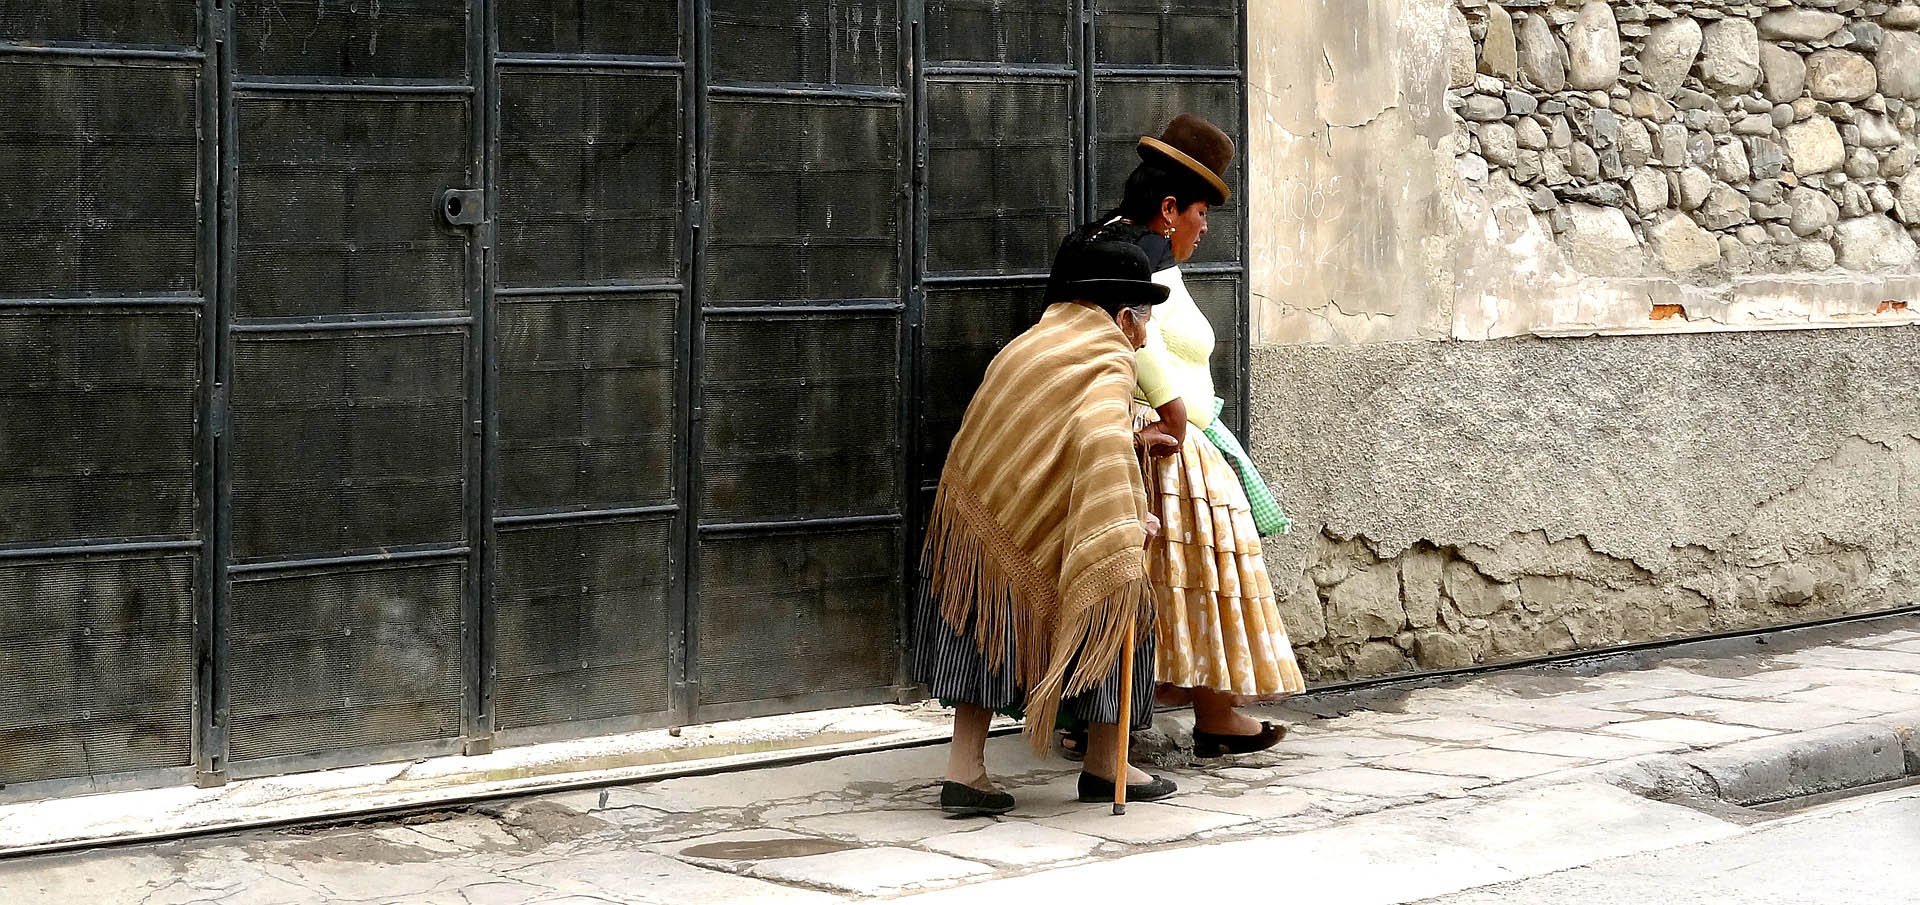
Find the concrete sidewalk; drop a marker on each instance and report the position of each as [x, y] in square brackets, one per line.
[1385, 795]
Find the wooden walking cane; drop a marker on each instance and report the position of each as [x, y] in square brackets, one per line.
[1124, 729]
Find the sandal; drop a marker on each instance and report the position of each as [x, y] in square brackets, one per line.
[1073, 743]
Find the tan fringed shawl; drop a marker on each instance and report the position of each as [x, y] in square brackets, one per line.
[1039, 522]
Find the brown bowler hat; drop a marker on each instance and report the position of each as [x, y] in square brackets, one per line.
[1194, 144]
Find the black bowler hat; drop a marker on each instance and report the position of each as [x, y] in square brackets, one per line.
[1103, 271]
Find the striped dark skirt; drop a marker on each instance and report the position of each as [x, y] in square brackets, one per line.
[953, 669]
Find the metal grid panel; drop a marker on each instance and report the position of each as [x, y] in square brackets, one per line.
[798, 614]
[804, 202]
[347, 442]
[1129, 108]
[586, 399]
[1171, 32]
[347, 660]
[163, 22]
[589, 178]
[802, 418]
[582, 624]
[633, 27]
[337, 212]
[1009, 32]
[97, 424]
[103, 181]
[1219, 298]
[999, 173]
[841, 42]
[97, 657]
[352, 39]
[965, 328]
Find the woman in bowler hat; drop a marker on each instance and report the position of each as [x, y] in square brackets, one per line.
[1220, 642]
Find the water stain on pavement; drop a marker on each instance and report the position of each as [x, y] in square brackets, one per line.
[766, 849]
[357, 846]
[536, 823]
[1537, 684]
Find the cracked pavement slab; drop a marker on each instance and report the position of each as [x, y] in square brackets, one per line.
[1430, 787]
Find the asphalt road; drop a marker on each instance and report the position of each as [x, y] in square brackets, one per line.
[1863, 850]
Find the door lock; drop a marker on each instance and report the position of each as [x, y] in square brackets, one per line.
[463, 207]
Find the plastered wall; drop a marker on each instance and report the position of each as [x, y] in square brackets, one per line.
[1508, 425]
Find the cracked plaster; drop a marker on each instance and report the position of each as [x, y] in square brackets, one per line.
[1460, 503]
[1346, 233]
[1464, 502]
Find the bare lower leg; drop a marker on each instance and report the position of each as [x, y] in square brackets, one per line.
[967, 756]
[1103, 740]
[1213, 712]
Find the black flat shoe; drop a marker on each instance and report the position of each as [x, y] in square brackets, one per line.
[1093, 788]
[1207, 745]
[960, 798]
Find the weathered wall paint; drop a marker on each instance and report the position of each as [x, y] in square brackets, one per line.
[1499, 440]
[1464, 502]
[1350, 170]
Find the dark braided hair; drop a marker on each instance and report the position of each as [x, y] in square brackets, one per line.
[1151, 182]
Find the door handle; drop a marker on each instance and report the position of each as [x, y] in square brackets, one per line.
[463, 207]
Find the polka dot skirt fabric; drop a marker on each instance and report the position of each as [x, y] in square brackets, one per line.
[1215, 617]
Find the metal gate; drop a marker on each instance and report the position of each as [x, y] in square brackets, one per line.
[388, 377]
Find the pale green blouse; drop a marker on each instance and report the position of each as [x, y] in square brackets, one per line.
[1177, 361]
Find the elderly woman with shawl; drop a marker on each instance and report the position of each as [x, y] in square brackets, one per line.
[1034, 570]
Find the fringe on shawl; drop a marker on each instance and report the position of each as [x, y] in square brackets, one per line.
[1085, 652]
[985, 586]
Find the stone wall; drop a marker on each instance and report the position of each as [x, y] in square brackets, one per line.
[1380, 217]
[1546, 302]
[1463, 503]
[1705, 142]
[1728, 137]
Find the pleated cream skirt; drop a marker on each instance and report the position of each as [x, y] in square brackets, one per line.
[1215, 618]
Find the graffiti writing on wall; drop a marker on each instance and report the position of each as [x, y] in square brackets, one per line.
[1307, 209]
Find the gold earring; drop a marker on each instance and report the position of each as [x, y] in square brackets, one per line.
[1170, 231]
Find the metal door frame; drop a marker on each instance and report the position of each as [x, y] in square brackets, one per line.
[1093, 71]
[213, 765]
[221, 91]
[687, 65]
[906, 39]
[201, 58]
[1092, 191]
[1076, 74]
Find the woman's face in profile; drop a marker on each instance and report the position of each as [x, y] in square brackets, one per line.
[1133, 322]
[1189, 226]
